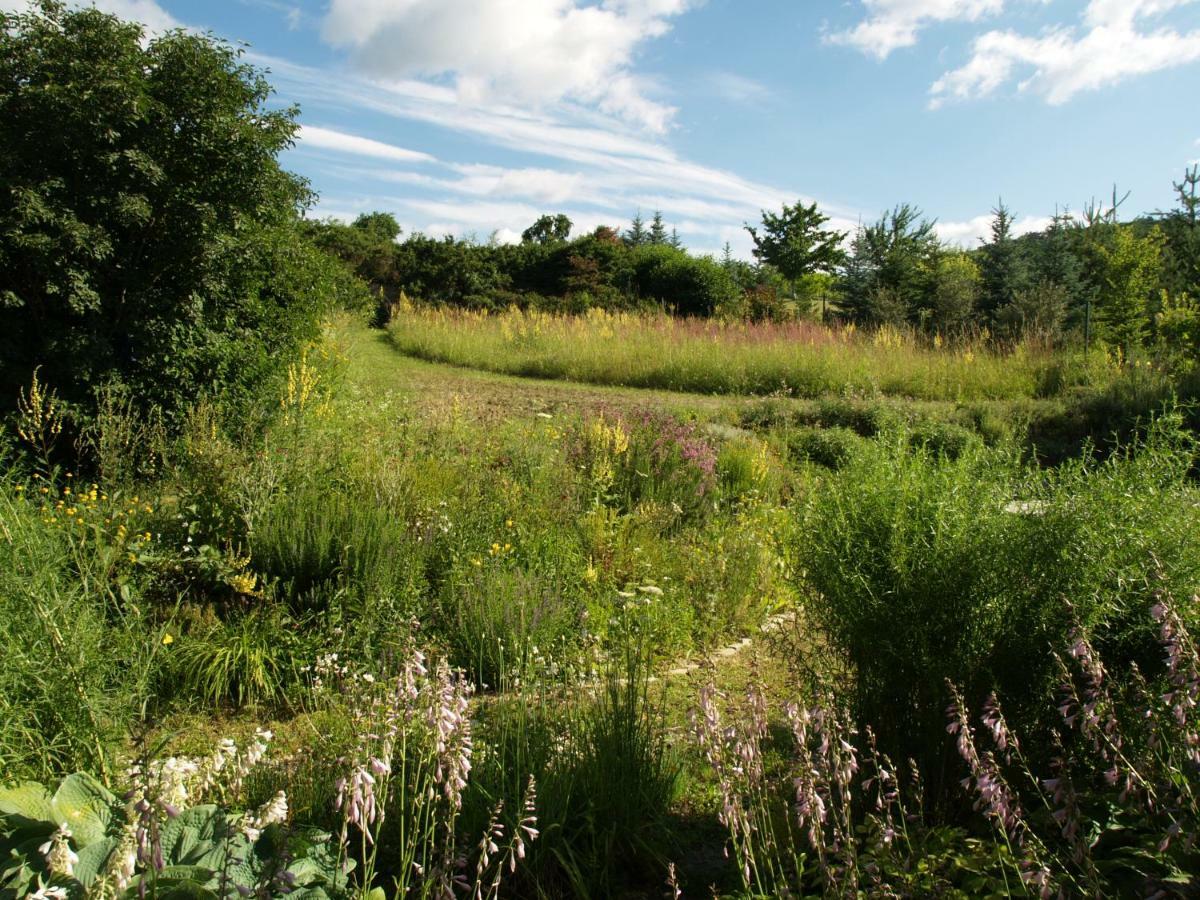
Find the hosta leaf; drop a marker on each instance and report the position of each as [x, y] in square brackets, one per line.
[29, 801]
[92, 860]
[85, 806]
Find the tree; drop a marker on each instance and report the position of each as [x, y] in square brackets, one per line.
[1131, 268]
[795, 243]
[1181, 226]
[1003, 272]
[148, 233]
[658, 230]
[636, 235]
[955, 292]
[891, 267]
[380, 226]
[548, 230]
[674, 240]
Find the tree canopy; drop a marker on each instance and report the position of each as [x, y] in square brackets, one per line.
[149, 232]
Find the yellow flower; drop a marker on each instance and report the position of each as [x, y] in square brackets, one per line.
[168, 639]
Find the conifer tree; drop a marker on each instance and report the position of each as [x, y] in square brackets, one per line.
[658, 229]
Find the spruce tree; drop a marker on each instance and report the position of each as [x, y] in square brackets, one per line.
[1003, 270]
[658, 229]
[635, 236]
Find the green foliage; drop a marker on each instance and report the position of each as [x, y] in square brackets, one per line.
[888, 276]
[152, 235]
[502, 624]
[252, 659]
[1003, 268]
[832, 447]
[548, 230]
[1131, 266]
[794, 242]
[205, 850]
[920, 568]
[956, 289]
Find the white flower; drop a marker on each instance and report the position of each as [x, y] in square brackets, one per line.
[60, 858]
[49, 893]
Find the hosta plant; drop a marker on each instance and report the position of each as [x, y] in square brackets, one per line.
[82, 841]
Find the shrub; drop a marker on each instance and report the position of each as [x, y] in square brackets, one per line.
[830, 447]
[501, 623]
[253, 659]
[867, 419]
[319, 538]
[152, 236]
[918, 568]
[943, 439]
[648, 458]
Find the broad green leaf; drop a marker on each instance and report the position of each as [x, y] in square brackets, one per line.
[29, 800]
[92, 860]
[85, 806]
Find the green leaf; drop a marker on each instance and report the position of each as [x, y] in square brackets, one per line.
[29, 800]
[85, 806]
[92, 860]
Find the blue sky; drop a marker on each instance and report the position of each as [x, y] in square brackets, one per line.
[473, 116]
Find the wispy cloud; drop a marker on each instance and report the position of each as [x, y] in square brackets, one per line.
[1111, 44]
[329, 139]
[149, 13]
[738, 88]
[893, 24]
[591, 166]
[972, 232]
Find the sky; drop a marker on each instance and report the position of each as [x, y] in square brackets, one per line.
[474, 117]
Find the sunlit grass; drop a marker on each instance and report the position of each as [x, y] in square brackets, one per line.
[800, 359]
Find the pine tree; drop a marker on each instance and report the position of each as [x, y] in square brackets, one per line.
[674, 240]
[636, 235]
[658, 229]
[1003, 270]
[727, 257]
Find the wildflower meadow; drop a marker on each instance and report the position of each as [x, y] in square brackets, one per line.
[334, 566]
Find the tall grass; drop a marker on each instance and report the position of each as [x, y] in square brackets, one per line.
[710, 356]
[78, 652]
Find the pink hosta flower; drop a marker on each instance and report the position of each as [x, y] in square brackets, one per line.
[356, 800]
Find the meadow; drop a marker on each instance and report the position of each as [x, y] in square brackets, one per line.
[799, 358]
[309, 590]
[435, 629]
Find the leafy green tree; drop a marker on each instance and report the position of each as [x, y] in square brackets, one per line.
[381, 226]
[795, 242]
[1131, 269]
[148, 232]
[956, 282]
[1002, 266]
[548, 230]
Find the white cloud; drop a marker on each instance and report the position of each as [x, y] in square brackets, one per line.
[329, 139]
[893, 24]
[738, 88]
[596, 161]
[1111, 47]
[154, 17]
[527, 52]
[972, 231]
